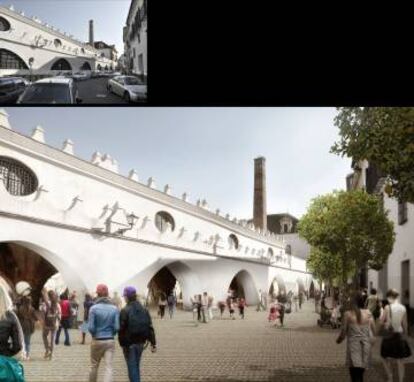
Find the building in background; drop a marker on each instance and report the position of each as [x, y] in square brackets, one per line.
[398, 272]
[135, 38]
[29, 46]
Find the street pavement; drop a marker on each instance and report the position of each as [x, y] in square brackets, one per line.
[221, 350]
[93, 91]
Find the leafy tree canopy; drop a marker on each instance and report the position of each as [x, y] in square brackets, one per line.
[348, 230]
[384, 136]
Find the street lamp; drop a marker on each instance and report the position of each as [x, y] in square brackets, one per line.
[131, 219]
[31, 61]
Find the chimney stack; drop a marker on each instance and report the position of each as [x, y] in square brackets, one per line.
[91, 37]
[259, 201]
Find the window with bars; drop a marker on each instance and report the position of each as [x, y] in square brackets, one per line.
[4, 25]
[18, 179]
[162, 220]
[10, 60]
[402, 212]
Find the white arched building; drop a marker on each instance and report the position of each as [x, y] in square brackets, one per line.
[92, 224]
[29, 46]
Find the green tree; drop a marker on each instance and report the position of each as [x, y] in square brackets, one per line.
[384, 136]
[347, 230]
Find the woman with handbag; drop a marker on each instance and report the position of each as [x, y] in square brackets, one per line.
[359, 328]
[394, 346]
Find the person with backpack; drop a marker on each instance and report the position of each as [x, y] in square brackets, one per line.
[51, 318]
[135, 330]
[27, 316]
[103, 324]
[171, 301]
[66, 314]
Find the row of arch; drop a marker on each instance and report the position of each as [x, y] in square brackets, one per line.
[21, 261]
[10, 60]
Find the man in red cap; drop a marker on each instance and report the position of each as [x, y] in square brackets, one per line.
[103, 325]
[135, 330]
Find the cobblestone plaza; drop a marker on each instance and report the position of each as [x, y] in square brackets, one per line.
[222, 350]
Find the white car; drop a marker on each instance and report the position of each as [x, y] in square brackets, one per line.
[130, 88]
[80, 76]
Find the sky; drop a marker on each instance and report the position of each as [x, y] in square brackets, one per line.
[207, 152]
[72, 16]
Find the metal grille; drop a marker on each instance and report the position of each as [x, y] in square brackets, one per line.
[162, 219]
[10, 60]
[17, 178]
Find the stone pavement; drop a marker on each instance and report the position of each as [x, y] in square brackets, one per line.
[222, 350]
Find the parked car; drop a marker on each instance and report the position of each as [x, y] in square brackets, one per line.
[130, 88]
[11, 88]
[57, 90]
[81, 76]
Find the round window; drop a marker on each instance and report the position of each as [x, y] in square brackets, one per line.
[4, 25]
[17, 178]
[164, 220]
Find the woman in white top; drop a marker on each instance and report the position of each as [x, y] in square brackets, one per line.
[394, 346]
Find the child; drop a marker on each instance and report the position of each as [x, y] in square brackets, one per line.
[221, 306]
[274, 313]
[231, 309]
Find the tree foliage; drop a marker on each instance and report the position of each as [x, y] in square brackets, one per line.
[347, 230]
[384, 136]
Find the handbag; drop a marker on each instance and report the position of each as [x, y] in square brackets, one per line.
[387, 331]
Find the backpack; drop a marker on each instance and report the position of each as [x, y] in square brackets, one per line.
[139, 322]
[10, 370]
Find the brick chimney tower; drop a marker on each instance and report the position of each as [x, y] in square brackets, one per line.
[259, 200]
[91, 37]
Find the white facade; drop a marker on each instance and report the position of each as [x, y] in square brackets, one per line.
[74, 216]
[135, 38]
[39, 47]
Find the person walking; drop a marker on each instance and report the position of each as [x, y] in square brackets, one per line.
[87, 304]
[373, 304]
[171, 301]
[231, 309]
[204, 305]
[51, 311]
[241, 306]
[74, 310]
[394, 346]
[162, 303]
[27, 317]
[221, 306]
[273, 312]
[199, 307]
[358, 327]
[135, 330]
[65, 319]
[210, 307]
[103, 324]
[301, 299]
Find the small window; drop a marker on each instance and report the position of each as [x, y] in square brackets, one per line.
[402, 212]
[270, 253]
[18, 179]
[285, 228]
[233, 241]
[4, 25]
[163, 220]
[57, 43]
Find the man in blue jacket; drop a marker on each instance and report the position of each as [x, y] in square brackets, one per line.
[103, 325]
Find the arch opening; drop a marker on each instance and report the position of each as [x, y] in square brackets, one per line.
[61, 64]
[242, 285]
[86, 66]
[277, 286]
[10, 60]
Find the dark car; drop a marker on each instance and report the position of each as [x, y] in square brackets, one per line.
[11, 88]
[57, 90]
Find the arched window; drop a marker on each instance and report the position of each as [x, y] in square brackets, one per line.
[57, 43]
[288, 249]
[270, 253]
[82, 50]
[99, 67]
[10, 60]
[4, 25]
[86, 66]
[61, 64]
[233, 241]
[162, 220]
[106, 67]
[18, 179]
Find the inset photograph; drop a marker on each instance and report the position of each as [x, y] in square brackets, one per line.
[73, 52]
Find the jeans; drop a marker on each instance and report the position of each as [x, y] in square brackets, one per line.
[102, 349]
[64, 324]
[132, 355]
[48, 342]
[171, 310]
[27, 337]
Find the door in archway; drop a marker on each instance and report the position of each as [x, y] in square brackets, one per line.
[237, 288]
[163, 282]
